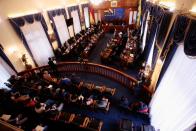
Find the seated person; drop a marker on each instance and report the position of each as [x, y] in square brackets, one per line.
[58, 52]
[49, 78]
[139, 107]
[124, 102]
[19, 120]
[74, 98]
[65, 82]
[90, 101]
[99, 88]
[75, 80]
[81, 99]
[102, 103]
[110, 90]
[32, 102]
[55, 107]
[40, 107]
[20, 98]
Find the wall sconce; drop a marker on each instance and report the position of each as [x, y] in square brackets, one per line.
[12, 50]
[193, 10]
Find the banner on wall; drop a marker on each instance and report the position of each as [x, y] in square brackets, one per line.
[114, 14]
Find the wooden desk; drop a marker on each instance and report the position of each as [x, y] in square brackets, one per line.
[86, 85]
[66, 117]
[95, 125]
[110, 90]
[80, 121]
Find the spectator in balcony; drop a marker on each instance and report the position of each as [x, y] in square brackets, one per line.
[52, 64]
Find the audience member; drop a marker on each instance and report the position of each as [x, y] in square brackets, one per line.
[124, 102]
[139, 107]
[40, 107]
[48, 77]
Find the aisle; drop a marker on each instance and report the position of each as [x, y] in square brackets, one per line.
[101, 45]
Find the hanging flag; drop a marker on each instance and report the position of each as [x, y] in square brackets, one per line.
[139, 13]
[92, 14]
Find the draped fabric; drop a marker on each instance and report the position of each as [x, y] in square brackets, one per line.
[86, 17]
[151, 47]
[134, 17]
[144, 18]
[144, 6]
[145, 11]
[145, 31]
[76, 21]
[154, 57]
[173, 104]
[96, 17]
[58, 18]
[151, 40]
[180, 28]
[62, 29]
[5, 58]
[157, 14]
[130, 17]
[5, 72]
[19, 22]
[163, 28]
[85, 10]
[167, 61]
[37, 42]
[73, 8]
[150, 57]
[190, 40]
[176, 34]
[99, 16]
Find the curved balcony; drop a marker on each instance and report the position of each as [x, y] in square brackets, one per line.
[98, 69]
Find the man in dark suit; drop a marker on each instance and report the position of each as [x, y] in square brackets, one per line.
[52, 64]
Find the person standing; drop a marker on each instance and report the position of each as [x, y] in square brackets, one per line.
[52, 64]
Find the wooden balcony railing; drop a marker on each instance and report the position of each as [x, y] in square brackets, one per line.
[4, 126]
[102, 70]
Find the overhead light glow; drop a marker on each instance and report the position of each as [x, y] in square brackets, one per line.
[96, 2]
[170, 5]
[193, 10]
